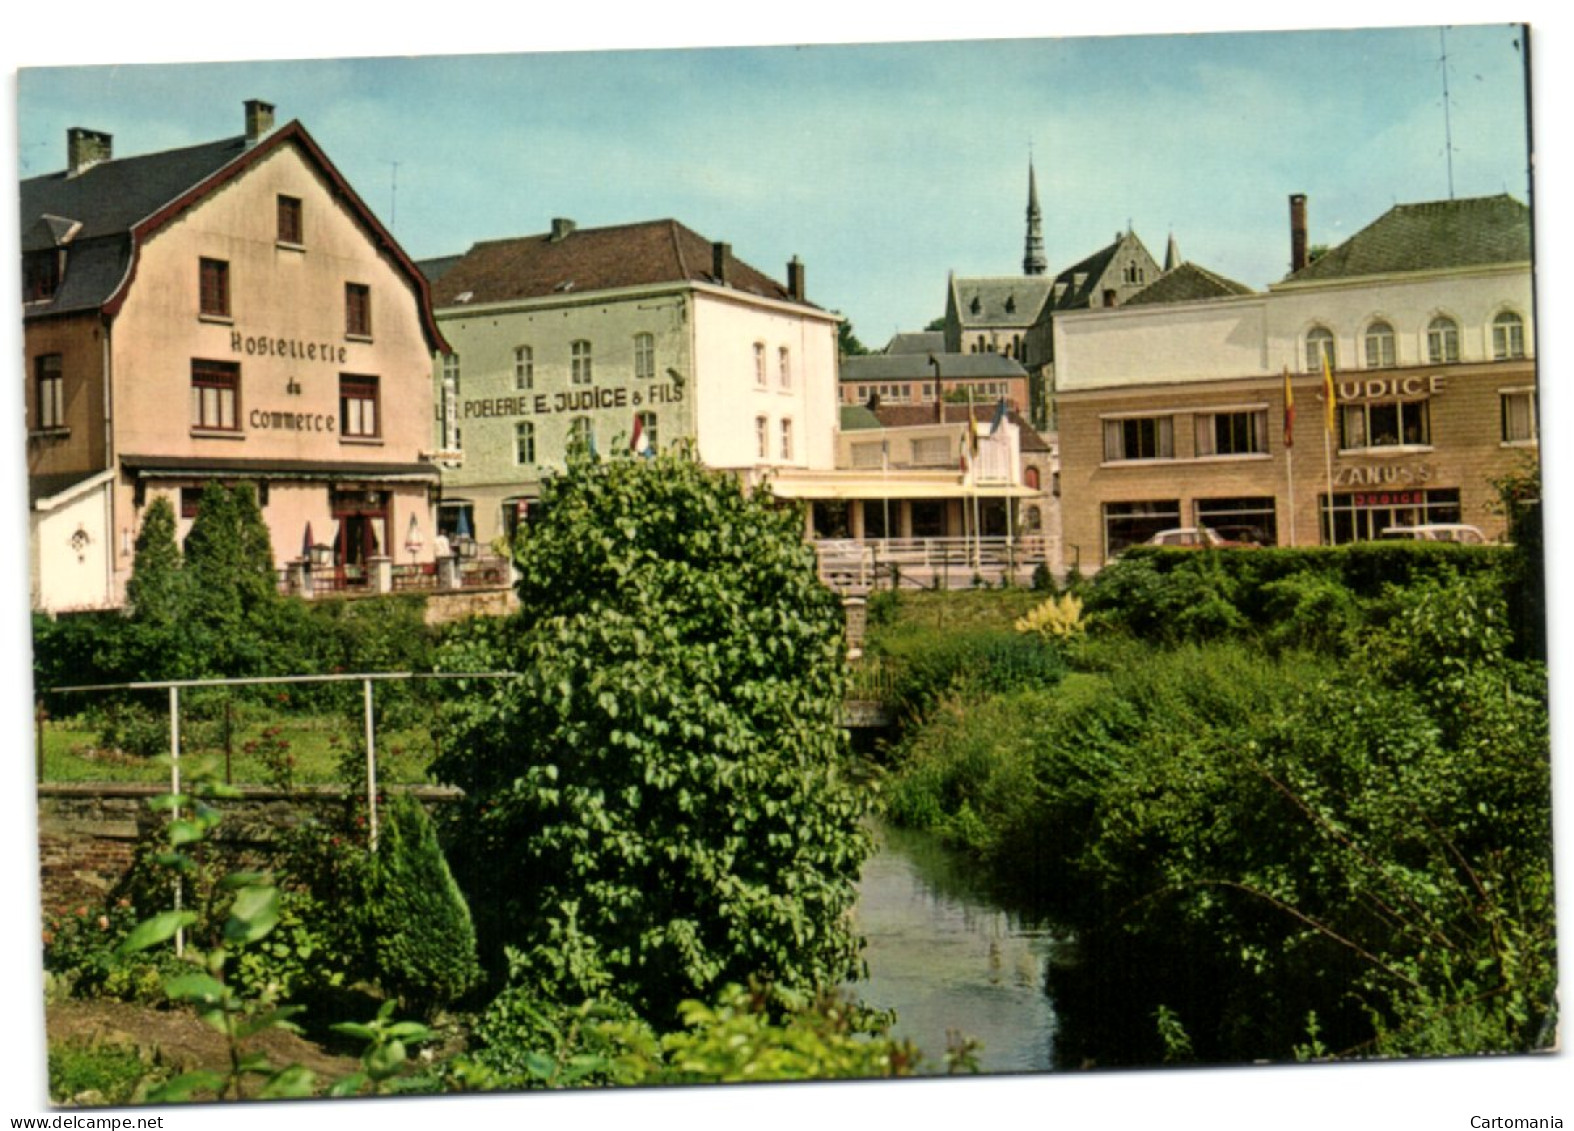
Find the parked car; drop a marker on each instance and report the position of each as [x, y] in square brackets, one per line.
[1196, 538]
[1436, 532]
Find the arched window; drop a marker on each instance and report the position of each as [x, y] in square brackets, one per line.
[1320, 345]
[1030, 478]
[1442, 340]
[1380, 346]
[1508, 336]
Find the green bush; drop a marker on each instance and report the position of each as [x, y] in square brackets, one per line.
[101, 1074]
[658, 804]
[423, 940]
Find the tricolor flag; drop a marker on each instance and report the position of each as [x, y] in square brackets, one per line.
[1329, 399]
[1000, 416]
[639, 443]
[1289, 410]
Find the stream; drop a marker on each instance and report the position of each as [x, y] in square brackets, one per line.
[948, 957]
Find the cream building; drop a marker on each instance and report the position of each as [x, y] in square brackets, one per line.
[1174, 413]
[643, 333]
[230, 311]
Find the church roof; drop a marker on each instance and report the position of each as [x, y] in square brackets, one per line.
[1003, 300]
[1187, 283]
[595, 259]
[917, 341]
[1473, 232]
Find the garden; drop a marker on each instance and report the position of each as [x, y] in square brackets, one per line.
[1290, 805]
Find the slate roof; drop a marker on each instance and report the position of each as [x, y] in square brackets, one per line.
[1473, 232]
[1187, 283]
[101, 215]
[1005, 300]
[918, 341]
[857, 418]
[593, 259]
[914, 366]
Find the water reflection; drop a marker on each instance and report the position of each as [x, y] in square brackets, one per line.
[946, 955]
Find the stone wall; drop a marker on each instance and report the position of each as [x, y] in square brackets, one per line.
[88, 833]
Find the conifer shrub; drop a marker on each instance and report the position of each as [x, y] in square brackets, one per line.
[423, 940]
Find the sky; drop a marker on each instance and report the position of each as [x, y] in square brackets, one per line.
[883, 167]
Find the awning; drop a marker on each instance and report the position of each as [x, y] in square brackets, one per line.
[320, 471]
[892, 485]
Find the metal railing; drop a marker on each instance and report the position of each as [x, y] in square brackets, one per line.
[851, 565]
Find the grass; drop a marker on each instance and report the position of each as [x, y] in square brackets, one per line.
[74, 751]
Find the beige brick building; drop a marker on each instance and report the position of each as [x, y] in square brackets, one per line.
[1174, 413]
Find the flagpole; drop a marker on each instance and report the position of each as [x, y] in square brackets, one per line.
[1329, 402]
[1289, 448]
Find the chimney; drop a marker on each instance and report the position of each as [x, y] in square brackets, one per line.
[259, 120]
[795, 279]
[86, 148]
[719, 254]
[562, 228]
[1297, 231]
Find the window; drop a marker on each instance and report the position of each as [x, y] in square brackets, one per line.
[1362, 515]
[358, 406]
[40, 275]
[580, 434]
[649, 437]
[644, 356]
[1442, 341]
[1126, 524]
[1380, 346]
[215, 393]
[1381, 424]
[868, 454]
[1250, 519]
[357, 310]
[290, 220]
[580, 371]
[762, 437]
[1319, 345]
[1519, 416]
[524, 442]
[934, 451]
[49, 379]
[759, 364]
[1508, 336]
[784, 367]
[524, 368]
[1232, 433]
[1139, 437]
[786, 438]
[214, 288]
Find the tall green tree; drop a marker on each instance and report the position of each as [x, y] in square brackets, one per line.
[655, 807]
[153, 592]
[233, 592]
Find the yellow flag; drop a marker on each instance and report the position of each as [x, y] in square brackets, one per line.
[1289, 410]
[1329, 400]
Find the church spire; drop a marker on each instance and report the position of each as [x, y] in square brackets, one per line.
[1172, 255]
[1033, 261]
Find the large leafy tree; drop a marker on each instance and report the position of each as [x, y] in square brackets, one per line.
[655, 807]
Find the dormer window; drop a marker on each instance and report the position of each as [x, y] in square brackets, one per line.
[1011, 304]
[975, 306]
[40, 275]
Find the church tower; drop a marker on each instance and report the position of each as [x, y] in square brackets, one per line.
[1033, 261]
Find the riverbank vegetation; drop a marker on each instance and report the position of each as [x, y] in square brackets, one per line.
[1291, 804]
